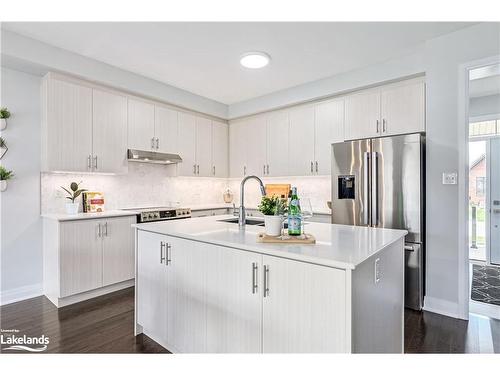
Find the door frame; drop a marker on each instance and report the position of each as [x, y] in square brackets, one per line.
[463, 178]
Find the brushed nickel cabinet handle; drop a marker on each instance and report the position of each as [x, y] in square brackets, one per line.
[384, 125]
[157, 143]
[312, 167]
[162, 258]
[268, 169]
[244, 170]
[264, 169]
[316, 167]
[169, 253]
[198, 169]
[99, 232]
[105, 229]
[95, 162]
[153, 142]
[378, 126]
[266, 281]
[89, 162]
[194, 168]
[214, 169]
[254, 277]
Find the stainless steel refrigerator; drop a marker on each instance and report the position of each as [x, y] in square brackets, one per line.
[380, 182]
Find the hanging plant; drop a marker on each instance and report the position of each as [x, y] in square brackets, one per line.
[3, 147]
[4, 115]
[5, 175]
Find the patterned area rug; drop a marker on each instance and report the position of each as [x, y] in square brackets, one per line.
[486, 284]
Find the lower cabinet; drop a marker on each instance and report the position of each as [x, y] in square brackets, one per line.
[194, 297]
[82, 257]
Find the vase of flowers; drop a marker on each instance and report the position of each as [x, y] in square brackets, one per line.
[274, 209]
[73, 192]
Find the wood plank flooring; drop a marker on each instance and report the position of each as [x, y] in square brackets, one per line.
[105, 325]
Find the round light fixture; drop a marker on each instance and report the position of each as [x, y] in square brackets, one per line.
[255, 60]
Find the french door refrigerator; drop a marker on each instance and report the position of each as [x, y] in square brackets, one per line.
[380, 182]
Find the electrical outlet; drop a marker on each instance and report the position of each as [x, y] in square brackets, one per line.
[449, 178]
[377, 270]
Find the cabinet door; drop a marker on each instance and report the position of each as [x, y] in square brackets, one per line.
[118, 250]
[187, 144]
[203, 147]
[301, 146]
[329, 128]
[237, 148]
[166, 129]
[68, 128]
[256, 141]
[109, 131]
[277, 144]
[362, 115]
[233, 304]
[141, 125]
[151, 285]
[304, 309]
[186, 287]
[220, 145]
[403, 109]
[80, 255]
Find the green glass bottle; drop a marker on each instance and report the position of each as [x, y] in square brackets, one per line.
[294, 215]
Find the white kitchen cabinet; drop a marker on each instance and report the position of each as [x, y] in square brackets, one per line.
[109, 129]
[220, 149]
[277, 144]
[237, 148]
[234, 300]
[301, 141]
[403, 108]
[118, 250]
[86, 258]
[66, 126]
[256, 154]
[203, 147]
[328, 129]
[80, 257]
[186, 287]
[362, 115]
[152, 285]
[166, 129]
[141, 125]
[304, 308]
[187, 144]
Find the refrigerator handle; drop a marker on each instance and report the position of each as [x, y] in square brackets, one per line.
[366, 191]
[374, 181]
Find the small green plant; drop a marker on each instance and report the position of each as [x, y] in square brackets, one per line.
[5, 174]
[74, 191]
[4, 113]
[274, 206]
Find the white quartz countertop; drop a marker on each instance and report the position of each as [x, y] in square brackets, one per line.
[340, 246]
[89, 215]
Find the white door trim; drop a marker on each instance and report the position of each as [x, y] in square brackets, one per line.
[463, 178]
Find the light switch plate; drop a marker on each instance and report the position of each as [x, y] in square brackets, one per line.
[449, 178]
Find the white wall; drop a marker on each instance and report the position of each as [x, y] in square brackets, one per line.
[21, 230]
[22, 53]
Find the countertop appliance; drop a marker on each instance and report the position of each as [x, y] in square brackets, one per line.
[380, 182]
[150, 214]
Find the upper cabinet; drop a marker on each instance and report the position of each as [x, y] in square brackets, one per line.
[277, 144]
[141, 125]
[187, 144]
[84, 129]
[389, 110]
[301, 141]
[220, 149]
[238, 148]
[166, 130]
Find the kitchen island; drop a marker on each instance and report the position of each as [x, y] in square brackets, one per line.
[205, 285]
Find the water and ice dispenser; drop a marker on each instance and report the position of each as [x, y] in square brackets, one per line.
[346, 186]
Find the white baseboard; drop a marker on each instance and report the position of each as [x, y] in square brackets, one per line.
[441, 306]
[19, 294]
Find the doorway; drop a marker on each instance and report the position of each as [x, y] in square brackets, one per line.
[484, 190]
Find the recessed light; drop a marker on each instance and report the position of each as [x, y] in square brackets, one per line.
[255, 60]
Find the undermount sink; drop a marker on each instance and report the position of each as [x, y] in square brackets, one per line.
[247, 221]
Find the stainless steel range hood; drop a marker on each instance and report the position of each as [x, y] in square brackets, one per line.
[152, 157]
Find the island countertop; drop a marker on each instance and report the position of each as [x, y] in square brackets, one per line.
[339, 246]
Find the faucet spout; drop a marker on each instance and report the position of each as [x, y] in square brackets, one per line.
[242, 213]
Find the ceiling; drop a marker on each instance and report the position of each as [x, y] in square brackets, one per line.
[203, 58]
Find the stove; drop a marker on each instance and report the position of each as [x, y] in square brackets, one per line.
[150, 214]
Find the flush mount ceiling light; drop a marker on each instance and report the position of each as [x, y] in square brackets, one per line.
[255, 60]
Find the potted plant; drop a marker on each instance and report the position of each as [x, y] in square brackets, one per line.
[273, 208]
[4, 115]
[5, 175]
[74, 192]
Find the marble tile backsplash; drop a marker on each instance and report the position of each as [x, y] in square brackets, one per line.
[148, 185]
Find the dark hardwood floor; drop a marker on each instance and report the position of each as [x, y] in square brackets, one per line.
[105, 325]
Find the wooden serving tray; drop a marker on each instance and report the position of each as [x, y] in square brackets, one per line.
[262, 237]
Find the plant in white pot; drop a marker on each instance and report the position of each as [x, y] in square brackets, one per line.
[5, 175]
[273, 208]
[4, 115]
[74, 192]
